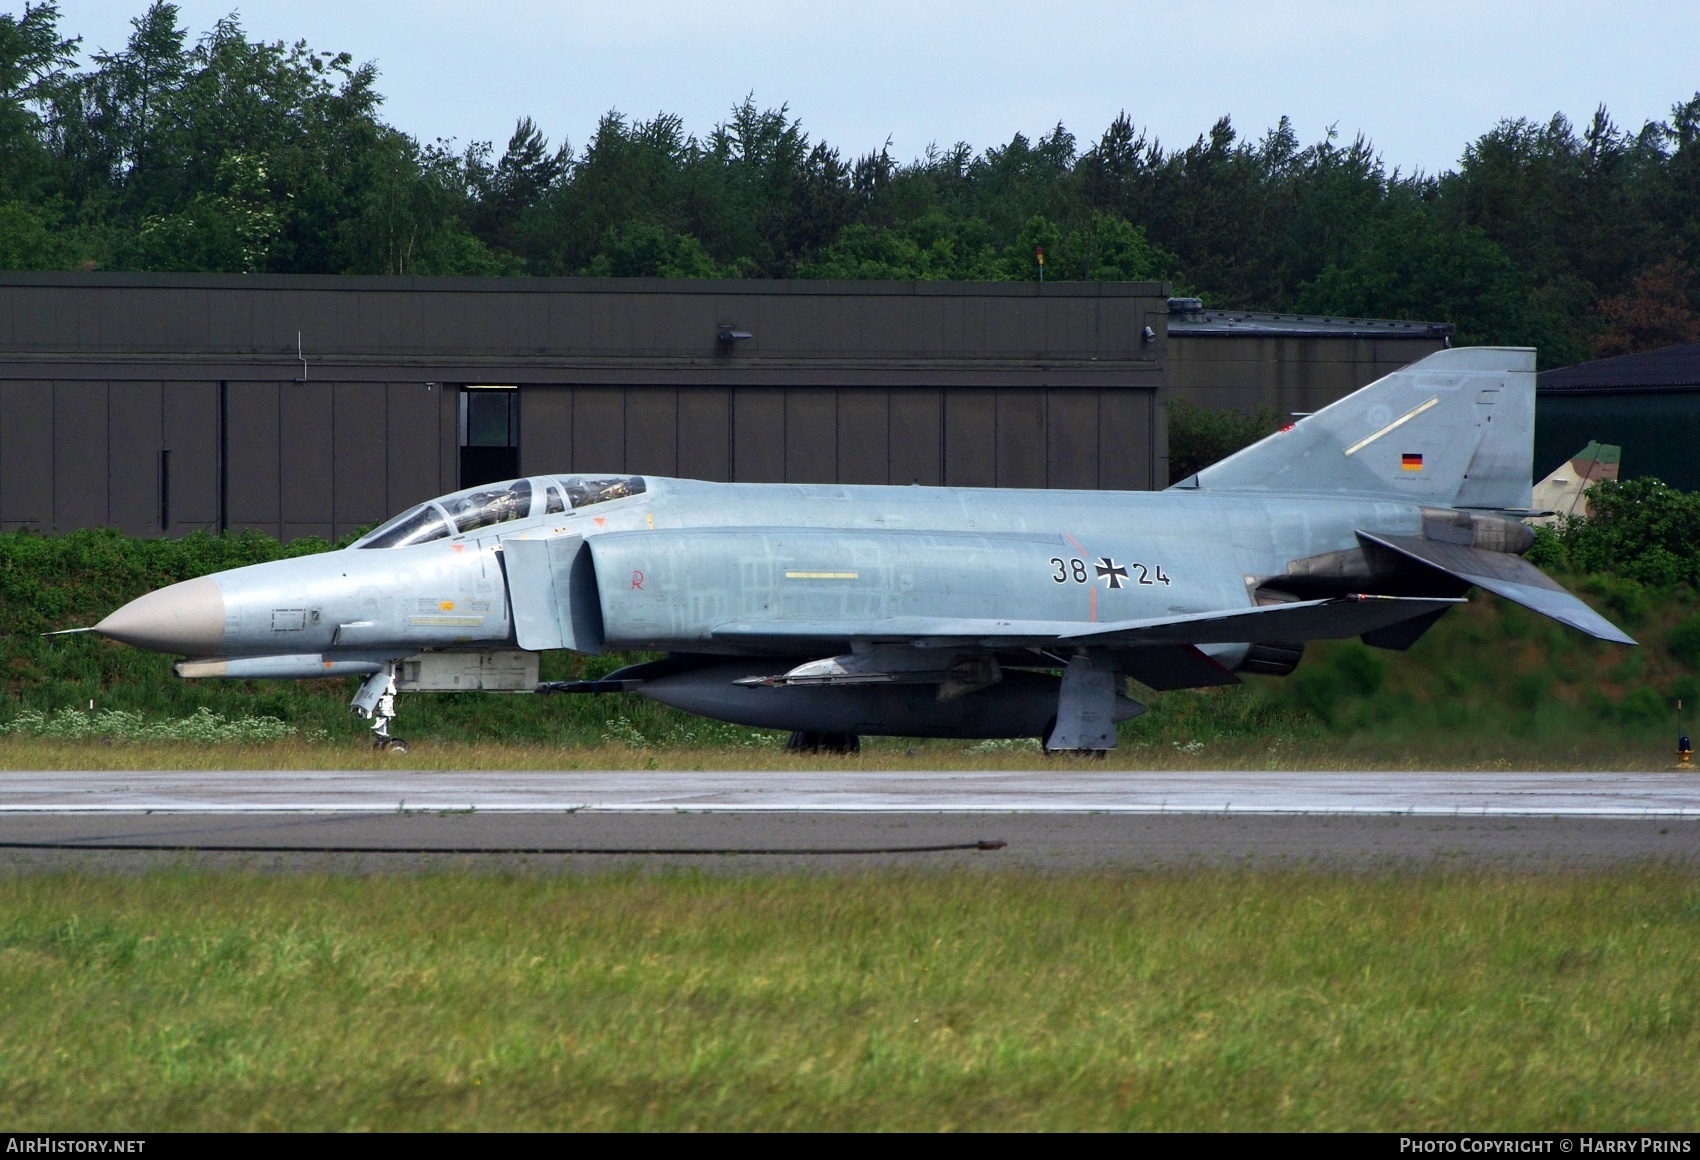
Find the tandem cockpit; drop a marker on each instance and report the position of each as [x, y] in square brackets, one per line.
[499, 503]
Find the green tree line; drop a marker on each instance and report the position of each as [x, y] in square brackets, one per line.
[221, 153]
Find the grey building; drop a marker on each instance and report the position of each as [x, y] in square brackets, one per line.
[161, 404]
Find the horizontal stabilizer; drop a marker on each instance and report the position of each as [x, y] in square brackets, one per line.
[1511, 577]
[1333, 618]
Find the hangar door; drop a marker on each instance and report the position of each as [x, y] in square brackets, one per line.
[964, 437]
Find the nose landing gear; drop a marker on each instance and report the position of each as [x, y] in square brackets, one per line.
[376, 701]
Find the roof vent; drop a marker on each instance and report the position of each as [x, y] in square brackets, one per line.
[1185, 305]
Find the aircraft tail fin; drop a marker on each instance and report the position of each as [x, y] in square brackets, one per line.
[1455, 429]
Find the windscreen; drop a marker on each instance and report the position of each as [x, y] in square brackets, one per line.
[584, 490]
[494, 505]
[415, 526]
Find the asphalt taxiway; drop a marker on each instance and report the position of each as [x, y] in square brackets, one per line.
[1673, 794]
[363, 821]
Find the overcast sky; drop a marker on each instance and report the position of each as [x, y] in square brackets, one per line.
[1419, 79]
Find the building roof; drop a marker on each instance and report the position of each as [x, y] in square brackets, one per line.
[1189, 319]
[1674, 367]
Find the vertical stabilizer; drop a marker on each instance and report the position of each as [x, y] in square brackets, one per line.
[1455, 429]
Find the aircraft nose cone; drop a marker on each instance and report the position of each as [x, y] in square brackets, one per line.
[186, 618]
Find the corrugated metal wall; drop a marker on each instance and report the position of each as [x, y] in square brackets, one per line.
[1286, 374]
[964, 384]
[1001, 437]
[303, 458]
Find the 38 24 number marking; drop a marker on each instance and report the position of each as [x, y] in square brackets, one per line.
[1113, 575]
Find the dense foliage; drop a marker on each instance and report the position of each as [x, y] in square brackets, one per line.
[1640, 529]
[226, 154]
[1200, 436]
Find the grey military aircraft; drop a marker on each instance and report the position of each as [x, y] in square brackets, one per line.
[839, 611]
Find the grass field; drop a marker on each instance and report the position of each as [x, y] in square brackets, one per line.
[938, 1000]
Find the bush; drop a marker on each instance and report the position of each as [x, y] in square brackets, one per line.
[1643, 706]
[1640, 529]
[1684, 643]
[1200, 436]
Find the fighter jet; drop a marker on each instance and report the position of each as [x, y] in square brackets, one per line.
[840, 611]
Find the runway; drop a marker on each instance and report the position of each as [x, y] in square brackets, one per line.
[1598, 795]
[742, 822]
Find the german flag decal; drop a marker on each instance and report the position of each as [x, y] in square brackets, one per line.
[1409, 462]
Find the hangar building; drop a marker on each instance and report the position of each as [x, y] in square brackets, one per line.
[1648, 404]
[162, 403]
[1290, 363]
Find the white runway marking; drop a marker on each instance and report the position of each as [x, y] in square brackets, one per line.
[1615, 795]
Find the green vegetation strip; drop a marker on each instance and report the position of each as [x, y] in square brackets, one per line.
[1239, 1000]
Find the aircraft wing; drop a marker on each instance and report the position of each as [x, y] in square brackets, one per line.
[1335, 617]
[1504, 575]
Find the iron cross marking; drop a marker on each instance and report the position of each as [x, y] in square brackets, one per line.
[1111, 573]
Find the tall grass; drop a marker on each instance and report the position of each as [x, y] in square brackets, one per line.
[1291, 1000]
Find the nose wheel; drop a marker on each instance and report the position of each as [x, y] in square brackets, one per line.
[376, 700]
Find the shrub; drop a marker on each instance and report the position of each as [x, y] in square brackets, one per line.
[1361, 671]
[1640, 529]
[1684, 642]
[1200, 436]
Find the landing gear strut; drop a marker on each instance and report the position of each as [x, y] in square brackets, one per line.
[376, 701]
[802, 742]
[1089, 704]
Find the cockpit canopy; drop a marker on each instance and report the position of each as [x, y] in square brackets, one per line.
[498, 503]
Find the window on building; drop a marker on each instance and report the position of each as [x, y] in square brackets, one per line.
[489, 434]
